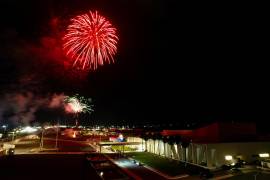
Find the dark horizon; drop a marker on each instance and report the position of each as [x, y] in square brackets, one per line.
[176, 62]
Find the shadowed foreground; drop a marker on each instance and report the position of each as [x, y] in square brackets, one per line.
[46, 166]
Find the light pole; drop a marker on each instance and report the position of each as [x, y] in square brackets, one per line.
[41, 139]
[56, 138]
[76, 119]
[255, 175]
[13, 136]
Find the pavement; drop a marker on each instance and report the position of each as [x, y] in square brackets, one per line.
[135, 171]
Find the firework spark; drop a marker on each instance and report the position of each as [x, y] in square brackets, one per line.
[78, 104]
[90, 41]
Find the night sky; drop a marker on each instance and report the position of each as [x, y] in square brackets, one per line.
[177, 63]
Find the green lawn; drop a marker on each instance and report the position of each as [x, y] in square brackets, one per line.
[120, 148]
[167, 166]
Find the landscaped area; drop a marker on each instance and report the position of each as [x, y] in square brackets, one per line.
[164, 165]
[121, 148]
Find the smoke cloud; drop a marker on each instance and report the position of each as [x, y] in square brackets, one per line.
[20, 108]
[40, 67]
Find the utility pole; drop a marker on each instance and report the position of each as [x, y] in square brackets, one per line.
[13, 135]
[41, 140]
[56, 138]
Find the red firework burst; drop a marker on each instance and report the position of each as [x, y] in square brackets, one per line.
[90, 41]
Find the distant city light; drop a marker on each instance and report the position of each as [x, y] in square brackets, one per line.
[74, 134]
[124, 163]
[264, 155]
[47, 127]
[28, 129]
[120, 138]
[228, 157]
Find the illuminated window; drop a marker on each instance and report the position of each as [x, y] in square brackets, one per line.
[228, 157]
[263, 155]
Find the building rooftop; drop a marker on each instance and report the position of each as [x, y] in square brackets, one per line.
[220, 132]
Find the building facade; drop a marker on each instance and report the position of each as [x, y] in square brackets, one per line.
[212, 146]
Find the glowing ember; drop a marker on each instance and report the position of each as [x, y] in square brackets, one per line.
[90, 41]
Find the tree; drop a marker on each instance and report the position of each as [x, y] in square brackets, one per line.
[185, 143]
[178, 142]
[165, 140]
[145, 137]
[154, 138]
[158, 137]
[171, 142]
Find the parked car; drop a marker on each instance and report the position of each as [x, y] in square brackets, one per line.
[2, 151]
[8, 149]
[235, 171]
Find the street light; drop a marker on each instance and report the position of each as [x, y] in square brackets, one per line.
[56, 138]
[41, 139]
[13, 134]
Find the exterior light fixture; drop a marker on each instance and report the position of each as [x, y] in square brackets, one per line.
[228, 157]
[264, 155]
